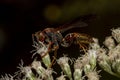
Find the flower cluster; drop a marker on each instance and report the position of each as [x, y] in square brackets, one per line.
[109, 56]
[82, 68]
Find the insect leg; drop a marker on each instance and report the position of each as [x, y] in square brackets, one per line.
[84, 47]
[55, 56]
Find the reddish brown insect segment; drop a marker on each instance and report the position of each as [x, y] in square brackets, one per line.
[76, 38]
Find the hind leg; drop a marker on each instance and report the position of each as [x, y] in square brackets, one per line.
[83, 47]
[55, 56]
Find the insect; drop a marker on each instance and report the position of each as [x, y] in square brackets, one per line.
[52, 37]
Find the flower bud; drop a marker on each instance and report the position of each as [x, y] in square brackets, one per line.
[63, 62]
[116, 34]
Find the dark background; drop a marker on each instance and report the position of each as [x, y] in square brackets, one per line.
[19, 19]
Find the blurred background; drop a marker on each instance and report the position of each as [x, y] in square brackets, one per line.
[19, 19]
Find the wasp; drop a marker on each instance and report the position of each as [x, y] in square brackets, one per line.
[53, 38]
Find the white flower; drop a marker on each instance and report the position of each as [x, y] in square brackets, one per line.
[93, 75]
[92, 58]
[62, 77]
[78, 64]
[78, 69]
[7, 77]
[47, 74]
[109, 42]
[26, 71]
[95, 45]
[77, 74]
[116, 34]
[63, 62]
[41, 48]
[38, 67]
